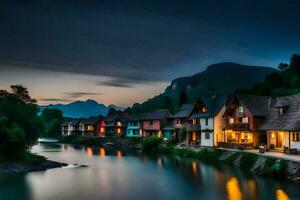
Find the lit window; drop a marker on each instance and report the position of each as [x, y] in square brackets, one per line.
[118, 130]
[241, 109]
[296, 137]
[102, 129]
[231, 120]
[119, 123]
[245, 120]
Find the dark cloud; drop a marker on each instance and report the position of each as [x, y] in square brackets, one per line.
[81, 94]
[54, 100]
[142, 41]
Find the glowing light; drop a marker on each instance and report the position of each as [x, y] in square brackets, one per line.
[159, 134]
[194, 136]
[102, 152]
[119, 154]
[119, 123]
[159, 162]
[281, 195]
[102, 129]
[141, 132]
[194, 167]
[273, 135]
[118, 130]
[233, 189]
[89, 151]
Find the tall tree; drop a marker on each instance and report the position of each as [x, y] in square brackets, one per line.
[52, 119]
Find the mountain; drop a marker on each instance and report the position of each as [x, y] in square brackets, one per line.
[221, 78]
[79, 109]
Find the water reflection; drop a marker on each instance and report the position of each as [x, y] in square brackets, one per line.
[281, 195]
[89, 151]
[233, 189]
[102, 152]
[194, 168]
[119, 154]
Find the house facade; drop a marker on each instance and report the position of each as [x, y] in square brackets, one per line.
[70, 127]
[244, 114]
[92, 127]
[153, 122]
[282, 124]
[134, 126]
[116, 125]
[206, 121]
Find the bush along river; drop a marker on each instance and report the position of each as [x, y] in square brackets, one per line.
[109, 173]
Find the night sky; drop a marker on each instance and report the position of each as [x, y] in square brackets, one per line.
[123, 52]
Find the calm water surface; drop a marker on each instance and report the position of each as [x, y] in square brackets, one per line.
[115, 174]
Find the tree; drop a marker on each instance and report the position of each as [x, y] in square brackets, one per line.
[295, 62]
[52, 120]
[183, 98]
[111, 112]
[283, 66]
[20, 126]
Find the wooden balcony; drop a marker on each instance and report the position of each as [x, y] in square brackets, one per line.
[194, 127]
[238, 126]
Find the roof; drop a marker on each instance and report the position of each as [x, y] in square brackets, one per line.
[90, 120]
[74, 122]
[257, 105]
[158, 114]
[213, 105]
[121, 116]
[136, 117]
[65, 123]
[184, 111]
[289, 120]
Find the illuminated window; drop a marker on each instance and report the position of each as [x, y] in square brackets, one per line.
[241, 109]
[90, 128]
[119, 123]
[231, 120]
[245, 120]
[118, 130]
[204, 109]
[194, 136]
[102, 129]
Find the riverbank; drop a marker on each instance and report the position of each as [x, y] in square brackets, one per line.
[31, 163]
[250, 163]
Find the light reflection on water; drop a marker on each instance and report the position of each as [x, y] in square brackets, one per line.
[116, 174]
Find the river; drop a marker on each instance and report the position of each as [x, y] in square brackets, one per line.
[116, 174]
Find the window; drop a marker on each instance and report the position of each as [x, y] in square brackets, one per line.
[119, 123]
[178, 121]
[231, 120]
[245, 120]
[204, 109]
[280, 111]
[241, 109]
[118, 130]
[151, 123]
[296, 137]
[206, 121]
[207, 135]
[90, 128]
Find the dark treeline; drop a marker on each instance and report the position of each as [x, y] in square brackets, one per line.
[20, 124]
[284, 82]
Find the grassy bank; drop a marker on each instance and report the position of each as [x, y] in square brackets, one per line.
[249, 163]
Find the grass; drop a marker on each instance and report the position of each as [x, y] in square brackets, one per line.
[247, 161]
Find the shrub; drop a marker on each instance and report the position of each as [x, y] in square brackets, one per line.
[151, 144]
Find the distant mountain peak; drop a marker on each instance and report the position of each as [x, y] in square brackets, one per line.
[81, 108]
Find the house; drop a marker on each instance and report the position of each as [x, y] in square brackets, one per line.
[206, 122]
[153, 122]
[116, 124]
[70, 127]
[134, 126]
[283, 123]
[92, 127]
[244, 114]
[181, 119]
